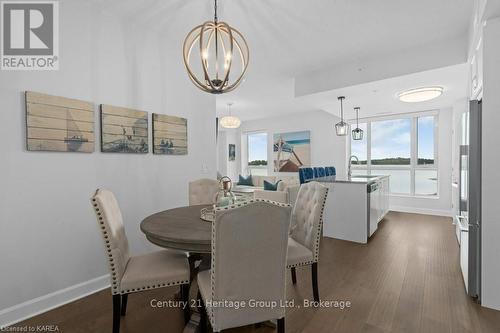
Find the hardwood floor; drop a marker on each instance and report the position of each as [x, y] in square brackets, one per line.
[406, 279]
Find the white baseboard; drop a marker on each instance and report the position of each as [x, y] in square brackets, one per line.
[42, 304]
[438, 212]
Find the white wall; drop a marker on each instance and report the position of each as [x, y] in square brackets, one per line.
[327, 148]
[224, 166]
[490, 163]
[49, 238]
[441, 205]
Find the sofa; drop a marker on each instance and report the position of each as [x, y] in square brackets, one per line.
[286, 192]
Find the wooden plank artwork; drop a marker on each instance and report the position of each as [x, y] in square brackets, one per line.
[169, 135]
[58, 124]
[123, 130]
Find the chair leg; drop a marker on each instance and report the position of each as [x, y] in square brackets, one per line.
[116, 313]
[124, 304]
[314, 276]
[185, 301]
[203, 315]
[281, 325]
[294, 275]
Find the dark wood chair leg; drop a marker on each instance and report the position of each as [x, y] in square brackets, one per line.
[203, 315]
[294, 275]
[281, 325]
[124, 304]
[314, 276]
[185, 299]
[192, 268]
[116, 313]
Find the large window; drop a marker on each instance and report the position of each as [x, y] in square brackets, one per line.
[257, 153]
[405, 149]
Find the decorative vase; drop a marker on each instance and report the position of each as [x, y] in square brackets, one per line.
[225, 197]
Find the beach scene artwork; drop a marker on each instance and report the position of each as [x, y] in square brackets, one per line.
[169, 135]
[58, 124]
[123, 130]
[291, 151]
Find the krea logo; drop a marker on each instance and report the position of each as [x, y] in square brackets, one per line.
[29, 35]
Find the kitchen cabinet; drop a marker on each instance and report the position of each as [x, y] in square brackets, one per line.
[354, 206]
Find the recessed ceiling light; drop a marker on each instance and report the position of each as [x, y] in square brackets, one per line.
[420, 94]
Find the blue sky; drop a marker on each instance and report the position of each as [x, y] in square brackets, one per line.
[426, 137]
[257, 146]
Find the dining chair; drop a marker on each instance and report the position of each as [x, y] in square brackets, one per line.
[305, 233]
[249, 244]
[278, 196]
[203, 191]
[130, 274]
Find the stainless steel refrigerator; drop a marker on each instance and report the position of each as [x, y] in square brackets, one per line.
[469, 219]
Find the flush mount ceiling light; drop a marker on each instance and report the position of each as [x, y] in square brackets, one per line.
[357, 133]
[230, 121]
[216, 56]
[342, 128]
[420, 94]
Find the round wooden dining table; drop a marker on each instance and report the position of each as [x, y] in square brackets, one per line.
[180, 229]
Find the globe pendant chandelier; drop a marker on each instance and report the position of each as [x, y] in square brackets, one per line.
[342, 128]
[357, 133]
[230, 121]
[216, 56]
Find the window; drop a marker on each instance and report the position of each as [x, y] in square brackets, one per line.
[257, 154]
[405, 149]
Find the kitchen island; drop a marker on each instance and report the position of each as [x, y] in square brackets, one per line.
[355, 205]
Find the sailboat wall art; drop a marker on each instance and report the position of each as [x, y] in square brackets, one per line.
[58, 124]
[291, 151]
[124, 130]
[170, 135]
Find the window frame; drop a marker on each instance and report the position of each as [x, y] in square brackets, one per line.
[413, 166]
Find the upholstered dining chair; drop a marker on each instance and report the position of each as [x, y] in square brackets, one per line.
[133, 274]
[305, 234]
[249, 244]
[203, 191]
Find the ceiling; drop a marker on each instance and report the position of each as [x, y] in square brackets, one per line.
[379, 98]
[288, 38]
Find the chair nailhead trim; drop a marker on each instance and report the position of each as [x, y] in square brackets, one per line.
[155, 286]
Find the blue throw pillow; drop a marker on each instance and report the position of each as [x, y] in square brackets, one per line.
[268, 186]
[245, 180]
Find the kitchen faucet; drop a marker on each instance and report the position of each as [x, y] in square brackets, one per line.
[349, 172]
